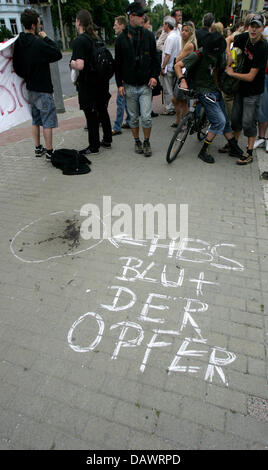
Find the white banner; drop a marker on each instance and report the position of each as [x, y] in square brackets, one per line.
[14, 105]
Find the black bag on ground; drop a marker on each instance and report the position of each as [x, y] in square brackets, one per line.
[70, 162]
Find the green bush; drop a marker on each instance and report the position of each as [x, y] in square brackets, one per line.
[5, 34]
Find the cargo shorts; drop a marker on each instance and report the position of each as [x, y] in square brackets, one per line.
[43, 109]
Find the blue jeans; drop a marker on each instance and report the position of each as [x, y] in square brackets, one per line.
[216, 112]
[139, 101]
[121, 103]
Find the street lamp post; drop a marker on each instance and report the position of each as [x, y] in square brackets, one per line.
[54, 67]
[61, 26]
[164, 8]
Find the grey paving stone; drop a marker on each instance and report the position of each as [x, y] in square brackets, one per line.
[52, 396]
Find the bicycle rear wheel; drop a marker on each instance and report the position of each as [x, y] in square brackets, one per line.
[179, 138]
[203, 125]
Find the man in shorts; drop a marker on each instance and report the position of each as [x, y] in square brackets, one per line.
[247, 100]
[33, 52]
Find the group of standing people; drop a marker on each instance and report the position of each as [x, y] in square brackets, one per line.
[181, 49]
[204, 56]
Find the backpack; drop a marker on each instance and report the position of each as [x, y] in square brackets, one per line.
[190, 73]
[102, 61]
[230, 85]
[71, 162]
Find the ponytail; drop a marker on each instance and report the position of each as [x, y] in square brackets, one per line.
[86, 22]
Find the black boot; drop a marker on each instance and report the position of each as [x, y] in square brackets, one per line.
[234, 149]
[204, 153]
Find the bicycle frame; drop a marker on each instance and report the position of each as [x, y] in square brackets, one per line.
[194, 121]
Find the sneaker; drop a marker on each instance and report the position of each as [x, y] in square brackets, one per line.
[105, 145]
[87, 151]
[205, 156]
[138, 146]
[147, 148]
[236, 151]
[39, 151]
[49, 154]
[259, 143]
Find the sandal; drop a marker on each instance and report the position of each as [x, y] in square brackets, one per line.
[175, 124]
[244, 160]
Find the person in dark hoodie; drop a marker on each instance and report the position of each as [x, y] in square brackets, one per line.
[136, 71]
[93, 94]
[33, 52]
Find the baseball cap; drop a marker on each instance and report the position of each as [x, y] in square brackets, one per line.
[259, 19]
[214, 43]
[136, 8]
[170, 21]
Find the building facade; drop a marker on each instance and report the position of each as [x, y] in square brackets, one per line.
[10, 11]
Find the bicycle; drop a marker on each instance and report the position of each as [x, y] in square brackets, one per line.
[194, 121]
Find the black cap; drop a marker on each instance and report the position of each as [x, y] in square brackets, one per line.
[136, 8]
[214, 43]
[259, 19]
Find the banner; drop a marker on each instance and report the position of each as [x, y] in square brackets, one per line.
[14, 104]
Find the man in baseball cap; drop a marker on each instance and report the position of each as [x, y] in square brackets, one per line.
[136, 71]
[247, 99]
[135, 8]
[258, 18]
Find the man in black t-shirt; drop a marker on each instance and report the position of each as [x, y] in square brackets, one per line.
[247, 100]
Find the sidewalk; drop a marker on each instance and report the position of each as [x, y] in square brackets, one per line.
[124, 344]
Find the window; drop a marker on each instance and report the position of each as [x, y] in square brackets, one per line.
[2, 23]
[13, 25]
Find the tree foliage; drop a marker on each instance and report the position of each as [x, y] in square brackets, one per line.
[194, 10]
[5, 34]
[104, 11]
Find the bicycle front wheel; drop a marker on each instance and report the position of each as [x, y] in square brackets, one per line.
[179, 138]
